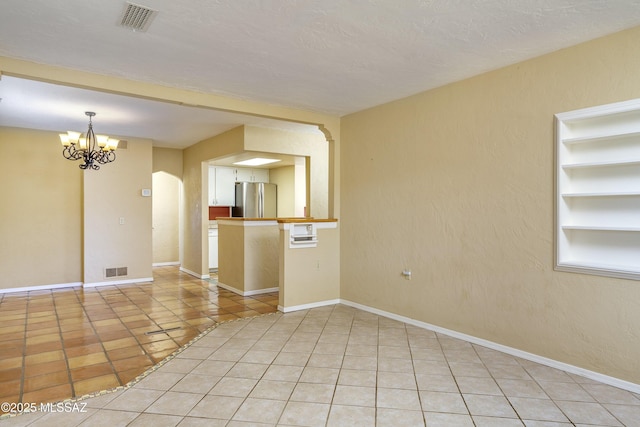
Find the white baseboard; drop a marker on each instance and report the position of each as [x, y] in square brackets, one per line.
[194, 274]
[164, 264]
[41, 287]
[605, 379]
[261, 291]
[118, 282]
[247, 293]
[308, 306]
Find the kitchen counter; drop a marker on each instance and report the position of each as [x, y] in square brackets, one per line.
[249, 256]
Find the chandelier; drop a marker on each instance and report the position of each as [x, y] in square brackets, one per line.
[91, 149]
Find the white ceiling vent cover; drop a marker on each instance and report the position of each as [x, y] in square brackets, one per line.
[136, 17]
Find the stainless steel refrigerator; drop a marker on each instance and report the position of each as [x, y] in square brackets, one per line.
[255, 200]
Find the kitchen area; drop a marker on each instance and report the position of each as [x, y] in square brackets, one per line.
[260, 237]
[244, 190]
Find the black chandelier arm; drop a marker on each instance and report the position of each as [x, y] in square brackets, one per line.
[91, 151]
[71, 153]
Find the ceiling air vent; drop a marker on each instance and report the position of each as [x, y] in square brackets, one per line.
[136, 17]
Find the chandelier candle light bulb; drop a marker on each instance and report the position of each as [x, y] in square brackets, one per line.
[91, 149]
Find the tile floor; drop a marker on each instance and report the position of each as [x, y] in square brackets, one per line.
[340, 366]
[65, 343]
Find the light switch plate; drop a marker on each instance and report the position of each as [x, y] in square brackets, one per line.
[146, 192]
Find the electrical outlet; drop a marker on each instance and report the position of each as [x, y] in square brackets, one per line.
[407, 274]
[121, 220]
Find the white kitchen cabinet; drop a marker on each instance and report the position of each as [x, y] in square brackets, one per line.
[225, 186]
[221, 186]
[252, 175]
[598, 190]
[213, 248]
[212, 186]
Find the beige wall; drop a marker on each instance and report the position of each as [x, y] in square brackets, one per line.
[167, 180]
[457, 185]
[231, 259]
[195, 191]
[111, 194]
[60, 225]
[40, 211]
[313, 146]
[284, 178]
[309, 275]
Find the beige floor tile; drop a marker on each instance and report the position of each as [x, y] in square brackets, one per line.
[357, 378]
[234, 387]
[109, 418]
[174, 403]
[537, 409]
[309, 392]
[213, 367]
[155, 420]
[321, 360]
[366, 363]
[160, 381]
[397, 380]
[444, 383]
[352, 416]
[305, 414]
[481, 421]
[203, 422]
[587, 413]
[134, 400]
[283, 373]
[565, 391]
[436, 401]
[607, 394]
[398, 399]
[490, 406]
[478, 385]
[521, 388]
[260, 411]
[437, 419]
[354, 396]
[274, 390]
[386, 417]
[194, 383]
[389, 364]
[248, 370]
[218, 407]
[320, 375]
[629, 415]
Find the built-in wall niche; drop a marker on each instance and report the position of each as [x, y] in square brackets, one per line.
[598, 190]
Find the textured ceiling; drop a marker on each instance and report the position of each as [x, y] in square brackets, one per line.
[332, 56]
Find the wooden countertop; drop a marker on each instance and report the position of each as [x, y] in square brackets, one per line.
[280, 220]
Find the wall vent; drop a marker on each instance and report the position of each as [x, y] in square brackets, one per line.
[122, 145]
[136, 17]
[115, 272]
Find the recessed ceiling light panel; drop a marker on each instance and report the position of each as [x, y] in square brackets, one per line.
[256, 161]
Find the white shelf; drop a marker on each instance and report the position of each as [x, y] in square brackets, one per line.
[600, 228]
[600, 138]
[598, 190]
[607, 194]
[631, 162]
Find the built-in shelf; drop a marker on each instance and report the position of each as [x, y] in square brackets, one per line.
[609, 194]
[601, 164]
[600, 138]
[599, 228]
[598, 190]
